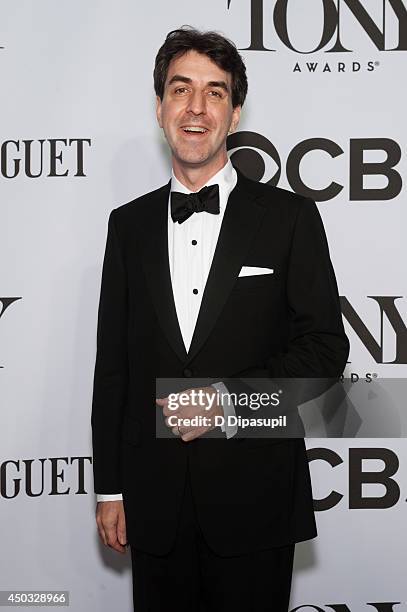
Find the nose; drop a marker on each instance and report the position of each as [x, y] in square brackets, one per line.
[197, 103]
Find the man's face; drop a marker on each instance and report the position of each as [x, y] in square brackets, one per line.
[197, 94]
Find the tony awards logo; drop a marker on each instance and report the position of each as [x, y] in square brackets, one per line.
[393, 14]
[382, 26]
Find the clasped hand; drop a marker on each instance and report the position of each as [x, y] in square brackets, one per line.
[188, 408]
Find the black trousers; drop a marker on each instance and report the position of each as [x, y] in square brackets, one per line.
[192, 578]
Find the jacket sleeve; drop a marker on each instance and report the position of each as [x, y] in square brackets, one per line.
[111, 367]
[317, 347]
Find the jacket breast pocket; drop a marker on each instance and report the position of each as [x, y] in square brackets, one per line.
[257, 281]
[131, 430]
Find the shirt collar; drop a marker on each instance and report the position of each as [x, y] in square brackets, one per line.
[225, 178]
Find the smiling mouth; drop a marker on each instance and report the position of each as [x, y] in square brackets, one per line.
[193, 130]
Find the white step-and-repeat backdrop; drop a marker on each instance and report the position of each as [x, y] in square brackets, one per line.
[325, 116]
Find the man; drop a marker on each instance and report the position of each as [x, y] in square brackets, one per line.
[210, 522]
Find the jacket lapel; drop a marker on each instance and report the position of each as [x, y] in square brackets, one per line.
[241, 221]
[154, 242]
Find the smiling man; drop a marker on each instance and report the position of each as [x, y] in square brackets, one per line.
[197, 113]
[215, 276]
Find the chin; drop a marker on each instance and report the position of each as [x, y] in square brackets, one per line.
[192, 157]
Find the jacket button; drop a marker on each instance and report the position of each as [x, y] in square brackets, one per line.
[187, 372]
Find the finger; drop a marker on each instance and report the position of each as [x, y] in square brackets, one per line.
[192, 434]
[101, 531]
[112, 540]
[187, 437]
[121, 529]
[168, 424]
[102, 535]
[167, 411]
[118, 547]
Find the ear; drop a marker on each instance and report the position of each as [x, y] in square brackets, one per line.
[158, 110]
[235, 119]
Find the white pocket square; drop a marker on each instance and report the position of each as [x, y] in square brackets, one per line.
[253, 270]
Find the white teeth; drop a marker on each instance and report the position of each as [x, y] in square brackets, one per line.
[194, 129]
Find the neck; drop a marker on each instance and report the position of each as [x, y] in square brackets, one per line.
[194, 177]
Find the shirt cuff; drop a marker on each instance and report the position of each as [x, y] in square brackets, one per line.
[114, 497]
[228, 409]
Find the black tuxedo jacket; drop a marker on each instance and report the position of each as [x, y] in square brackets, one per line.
[250, 494]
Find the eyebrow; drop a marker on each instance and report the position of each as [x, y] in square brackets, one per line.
[184, 79]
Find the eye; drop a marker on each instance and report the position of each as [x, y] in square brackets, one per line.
[255, 156]
[217, 94]
[180, 89]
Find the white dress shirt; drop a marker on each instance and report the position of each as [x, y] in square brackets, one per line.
[191, 246]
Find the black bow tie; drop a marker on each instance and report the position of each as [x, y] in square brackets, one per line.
[183, 205]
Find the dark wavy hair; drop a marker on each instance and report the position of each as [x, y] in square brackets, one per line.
[220, 50]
